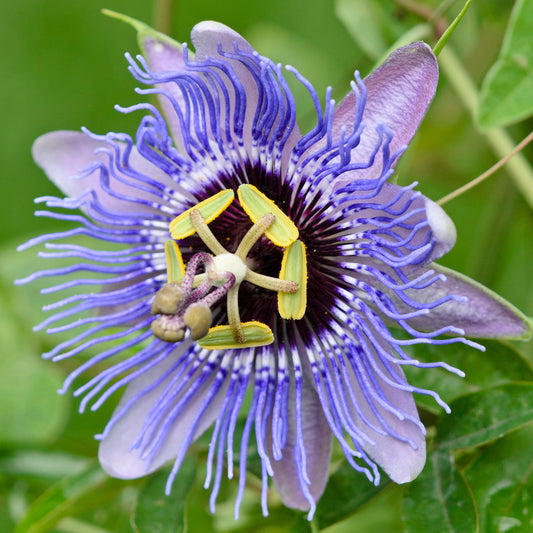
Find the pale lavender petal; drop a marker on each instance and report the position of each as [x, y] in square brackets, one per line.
[206, 37]
[400, 460]
[399, 92]
[114, 454]
[317, 439]
[484, 315]
[63, 154]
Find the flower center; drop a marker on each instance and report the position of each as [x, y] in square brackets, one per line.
[185, 302]
[230, 263]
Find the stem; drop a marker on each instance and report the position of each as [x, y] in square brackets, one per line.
[315, 528]
[497, 138]
[450, 29]
[487, 173]
[163, 16]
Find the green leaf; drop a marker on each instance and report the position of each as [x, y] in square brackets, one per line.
[64, 497]
[439, 500]
[363, 20]
[506, 91]
[158, 513]
[347, 490]
[28, 385]
[500, 363]
[483, 416]
[501, 479]
[42, 464]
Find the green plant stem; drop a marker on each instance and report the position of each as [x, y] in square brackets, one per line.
[451, 28]
[163, 16]
[497, 138]
[315, 528]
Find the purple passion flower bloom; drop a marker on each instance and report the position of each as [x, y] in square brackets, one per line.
[242, 275]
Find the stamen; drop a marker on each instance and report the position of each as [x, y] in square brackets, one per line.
[282, 232]
[294, 268]
[221, 337]
[253, 235]
[201, 227]
[270, 283]
[234, 318]
[198, 318]
[175, 266]
[210, 209]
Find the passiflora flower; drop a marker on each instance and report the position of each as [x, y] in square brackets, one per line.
[243, 275]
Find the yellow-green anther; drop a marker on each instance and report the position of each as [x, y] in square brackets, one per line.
[175, 266]
[282, 232]
[221, 337]
[210, 209]
[198, 318]
[294, 268]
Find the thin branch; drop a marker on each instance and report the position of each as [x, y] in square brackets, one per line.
[487, 173]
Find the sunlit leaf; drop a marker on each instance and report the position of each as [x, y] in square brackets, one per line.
[506, 92]
[485, 415]
[439, 500]
[499, 363]
[42, 463]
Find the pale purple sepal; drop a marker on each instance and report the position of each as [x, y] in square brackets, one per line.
[207, 37]
[483, 315]
[63, 154]
[399, 92]
[114, 452]
[317, 438]
[164, 54]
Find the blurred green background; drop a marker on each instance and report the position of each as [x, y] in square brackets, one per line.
[63, 68]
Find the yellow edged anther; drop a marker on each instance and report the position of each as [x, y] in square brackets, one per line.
[175, 265]
[182, 226]
[294, 268]
[221, 337]
[282, 232]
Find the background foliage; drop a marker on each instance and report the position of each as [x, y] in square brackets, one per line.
[63, 67]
